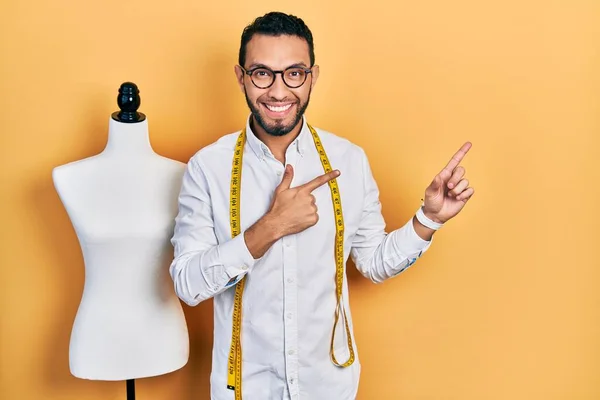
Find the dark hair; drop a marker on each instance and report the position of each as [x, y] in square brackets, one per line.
[276, 24]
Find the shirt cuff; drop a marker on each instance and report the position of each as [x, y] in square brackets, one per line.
[409, 243]
[236, 258]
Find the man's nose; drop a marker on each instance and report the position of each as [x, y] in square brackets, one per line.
[278, 89]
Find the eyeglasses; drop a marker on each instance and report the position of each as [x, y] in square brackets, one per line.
[263, 77]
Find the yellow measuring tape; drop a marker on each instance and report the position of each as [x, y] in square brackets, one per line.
[234, 368]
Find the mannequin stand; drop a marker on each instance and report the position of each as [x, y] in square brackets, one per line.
[130, 389]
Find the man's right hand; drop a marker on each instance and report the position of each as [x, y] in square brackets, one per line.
[295, 209]
[292, 210]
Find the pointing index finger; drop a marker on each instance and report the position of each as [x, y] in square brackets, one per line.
[458, 156]
[320, 180]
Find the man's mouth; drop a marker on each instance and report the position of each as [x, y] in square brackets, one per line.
[278, 109]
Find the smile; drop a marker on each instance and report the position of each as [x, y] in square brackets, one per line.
[278, 108]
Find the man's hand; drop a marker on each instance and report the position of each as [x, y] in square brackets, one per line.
[292, 210]
[449, 191]
[295, 209]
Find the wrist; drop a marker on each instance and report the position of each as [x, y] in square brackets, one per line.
[421, 230]
[272, 227]
[432, 216]
[427, 219]
[261, 236]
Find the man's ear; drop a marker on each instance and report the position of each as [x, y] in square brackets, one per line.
[315, 76]
[239, 74]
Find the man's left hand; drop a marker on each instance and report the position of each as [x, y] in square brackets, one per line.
[449, 191]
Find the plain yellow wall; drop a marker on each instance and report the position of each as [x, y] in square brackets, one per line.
[504, 305]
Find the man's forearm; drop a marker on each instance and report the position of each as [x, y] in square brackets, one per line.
[261, 236]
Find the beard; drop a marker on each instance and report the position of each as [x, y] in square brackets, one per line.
[278, 128]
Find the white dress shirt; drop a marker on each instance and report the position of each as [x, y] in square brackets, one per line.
[289, 298]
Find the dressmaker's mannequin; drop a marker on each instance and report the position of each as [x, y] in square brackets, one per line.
[122, 203]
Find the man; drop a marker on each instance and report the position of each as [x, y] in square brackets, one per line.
[267, 219]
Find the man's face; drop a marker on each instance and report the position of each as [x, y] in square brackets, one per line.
[277, 109]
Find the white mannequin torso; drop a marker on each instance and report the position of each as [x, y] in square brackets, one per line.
[122, 204]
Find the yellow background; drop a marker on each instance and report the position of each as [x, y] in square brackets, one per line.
[504, 305]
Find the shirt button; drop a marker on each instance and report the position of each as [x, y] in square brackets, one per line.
[289, 315]
[278, 173]
[244, 267]
[292, 380]
[291, 352]
[290, 280]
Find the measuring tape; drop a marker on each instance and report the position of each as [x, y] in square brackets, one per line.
[234, 367]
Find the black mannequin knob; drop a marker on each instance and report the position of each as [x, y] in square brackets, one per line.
[129, 101]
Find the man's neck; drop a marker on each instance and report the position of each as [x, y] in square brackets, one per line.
[277, 144]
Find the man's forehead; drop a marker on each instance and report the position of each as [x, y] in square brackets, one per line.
[277, 51]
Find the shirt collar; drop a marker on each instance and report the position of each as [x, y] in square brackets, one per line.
[261, 149]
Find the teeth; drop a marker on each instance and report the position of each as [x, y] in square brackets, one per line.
[278, 108]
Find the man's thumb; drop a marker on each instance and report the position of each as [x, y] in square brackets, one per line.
[286, 181]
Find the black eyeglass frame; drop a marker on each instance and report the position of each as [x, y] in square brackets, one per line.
[249, 72]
